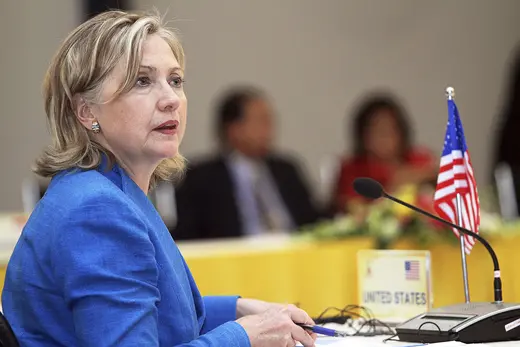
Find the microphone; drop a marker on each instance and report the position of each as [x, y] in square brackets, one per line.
[373, 190]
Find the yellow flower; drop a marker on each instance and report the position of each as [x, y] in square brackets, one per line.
[408, 194]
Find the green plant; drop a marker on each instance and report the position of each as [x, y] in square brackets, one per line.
[388, 224]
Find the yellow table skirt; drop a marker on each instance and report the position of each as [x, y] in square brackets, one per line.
[316, 275]
[322, 274]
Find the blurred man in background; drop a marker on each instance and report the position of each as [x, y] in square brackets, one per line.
[246, 189]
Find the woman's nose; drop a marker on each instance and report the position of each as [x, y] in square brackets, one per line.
[169, 101]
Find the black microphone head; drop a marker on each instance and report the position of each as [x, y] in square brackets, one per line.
[368, 188]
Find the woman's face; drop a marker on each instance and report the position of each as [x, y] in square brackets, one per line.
[145, 125]
[382, 136]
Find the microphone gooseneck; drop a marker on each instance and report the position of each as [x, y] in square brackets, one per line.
[372, 189]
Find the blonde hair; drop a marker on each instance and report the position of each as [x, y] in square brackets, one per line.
[80, 67]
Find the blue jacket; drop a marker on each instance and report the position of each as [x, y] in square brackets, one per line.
[96, 266]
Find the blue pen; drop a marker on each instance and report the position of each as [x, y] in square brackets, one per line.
[323, 331]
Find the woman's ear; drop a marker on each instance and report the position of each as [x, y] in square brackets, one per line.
[83, 111]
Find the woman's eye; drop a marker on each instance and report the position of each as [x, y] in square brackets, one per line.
[142, 82]
[177, 82]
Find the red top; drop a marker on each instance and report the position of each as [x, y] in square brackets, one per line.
[380, 171]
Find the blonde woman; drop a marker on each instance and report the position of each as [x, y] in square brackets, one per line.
[95, 264]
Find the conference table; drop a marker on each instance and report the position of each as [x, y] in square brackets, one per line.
[378, 341]
[317, 274]
[384, 341]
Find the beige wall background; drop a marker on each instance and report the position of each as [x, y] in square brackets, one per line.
[315, 58]
[31, 31]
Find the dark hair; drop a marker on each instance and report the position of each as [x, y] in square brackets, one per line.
[230, 108]
[365, 113]
[508, 141]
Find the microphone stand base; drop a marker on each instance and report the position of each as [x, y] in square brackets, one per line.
[467, 323]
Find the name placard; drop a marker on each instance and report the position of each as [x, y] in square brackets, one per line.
[394, 285]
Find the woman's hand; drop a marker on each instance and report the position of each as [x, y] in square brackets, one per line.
[246, 307]
[276, 326]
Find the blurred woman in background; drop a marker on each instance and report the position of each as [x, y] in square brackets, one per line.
[383, 150]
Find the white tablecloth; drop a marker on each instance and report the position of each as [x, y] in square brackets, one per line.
[377, 341]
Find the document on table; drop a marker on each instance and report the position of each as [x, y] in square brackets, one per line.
[356, 341]
[331, 341]
[456, 344]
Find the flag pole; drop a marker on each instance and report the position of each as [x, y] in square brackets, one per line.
[450, 93]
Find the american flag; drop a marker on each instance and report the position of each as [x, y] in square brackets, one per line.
[456, 177]
[411, 269]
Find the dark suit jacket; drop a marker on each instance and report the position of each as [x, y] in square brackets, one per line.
[206, 204]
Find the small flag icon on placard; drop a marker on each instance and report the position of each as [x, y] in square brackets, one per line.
[411, 269]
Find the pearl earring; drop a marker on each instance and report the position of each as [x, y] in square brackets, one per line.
[95, 127]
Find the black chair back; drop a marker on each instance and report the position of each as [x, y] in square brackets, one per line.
[7, 337]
